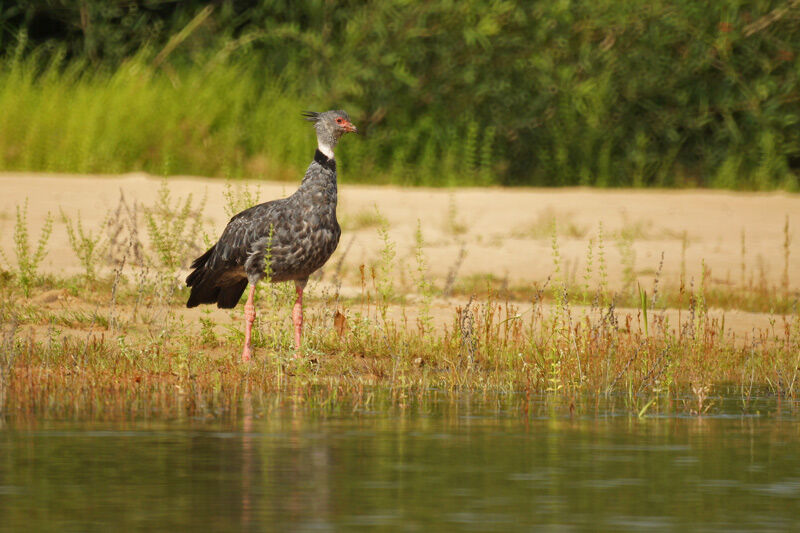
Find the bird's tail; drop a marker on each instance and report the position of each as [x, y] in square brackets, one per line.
[206, 289]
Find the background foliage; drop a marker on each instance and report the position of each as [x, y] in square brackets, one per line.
[662, 93]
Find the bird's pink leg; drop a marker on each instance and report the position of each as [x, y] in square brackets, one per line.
[249, 318]
[297, 317]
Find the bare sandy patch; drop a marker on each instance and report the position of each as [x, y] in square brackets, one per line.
[503, 232]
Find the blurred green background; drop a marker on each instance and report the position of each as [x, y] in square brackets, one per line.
[449, 92]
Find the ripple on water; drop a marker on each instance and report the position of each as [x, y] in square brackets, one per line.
[384, 518]
[641, 523]
[478, 520]
[610, 483]
[539, 475]
[784, 489]
[685, 460]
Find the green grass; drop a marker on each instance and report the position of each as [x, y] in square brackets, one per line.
[489, 346]
[219, 122]
[229, 120]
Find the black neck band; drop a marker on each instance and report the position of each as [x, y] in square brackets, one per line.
[324, 160]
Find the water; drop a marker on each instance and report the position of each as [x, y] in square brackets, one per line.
[453, 466]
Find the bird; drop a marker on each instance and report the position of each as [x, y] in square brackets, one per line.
[284, 240]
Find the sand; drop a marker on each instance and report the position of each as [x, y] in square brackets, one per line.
[504, 232]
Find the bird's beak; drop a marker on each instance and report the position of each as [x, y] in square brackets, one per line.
[348, 127]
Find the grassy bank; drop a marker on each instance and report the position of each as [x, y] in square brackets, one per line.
[118, 337]
[131, 348]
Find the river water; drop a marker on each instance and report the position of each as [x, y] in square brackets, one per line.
[456, 465]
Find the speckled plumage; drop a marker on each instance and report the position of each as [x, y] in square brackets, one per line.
[298, 234]
[285, 239]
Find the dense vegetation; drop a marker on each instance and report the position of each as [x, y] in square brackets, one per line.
[661, 93]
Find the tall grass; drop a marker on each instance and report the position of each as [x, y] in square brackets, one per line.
[72, 118]
[224, 119]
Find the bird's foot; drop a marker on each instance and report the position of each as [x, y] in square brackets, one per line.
[247, 353]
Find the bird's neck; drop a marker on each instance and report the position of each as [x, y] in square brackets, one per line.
[326, 142]
[321, 173]
[325, 148]
[326, 162]
[319, 183]
[320, 177]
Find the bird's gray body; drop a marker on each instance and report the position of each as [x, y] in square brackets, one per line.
[297, 235]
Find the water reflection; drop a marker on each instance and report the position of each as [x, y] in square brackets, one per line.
[460, 465]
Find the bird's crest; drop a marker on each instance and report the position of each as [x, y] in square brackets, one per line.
[311, 116]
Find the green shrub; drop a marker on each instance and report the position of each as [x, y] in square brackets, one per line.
[28, 260]
[607, 93]
[85, 244]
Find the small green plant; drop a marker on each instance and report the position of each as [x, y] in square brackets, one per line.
[28, 261]
[743, 260]
[239, 198]
[208, 336]
[559, 281]
[173, 229]
[602, 269]
[587, 276]
[643, 308]
[424, 285]
[684, 247]
[85, 244]
[385, 267]
[628, 259]
[453, 223]
[787, 241]
[121, 227]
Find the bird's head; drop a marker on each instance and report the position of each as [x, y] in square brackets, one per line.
[330, 126]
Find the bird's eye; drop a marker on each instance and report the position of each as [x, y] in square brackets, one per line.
[340, 121]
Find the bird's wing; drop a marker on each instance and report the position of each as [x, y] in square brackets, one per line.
[245, 230]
